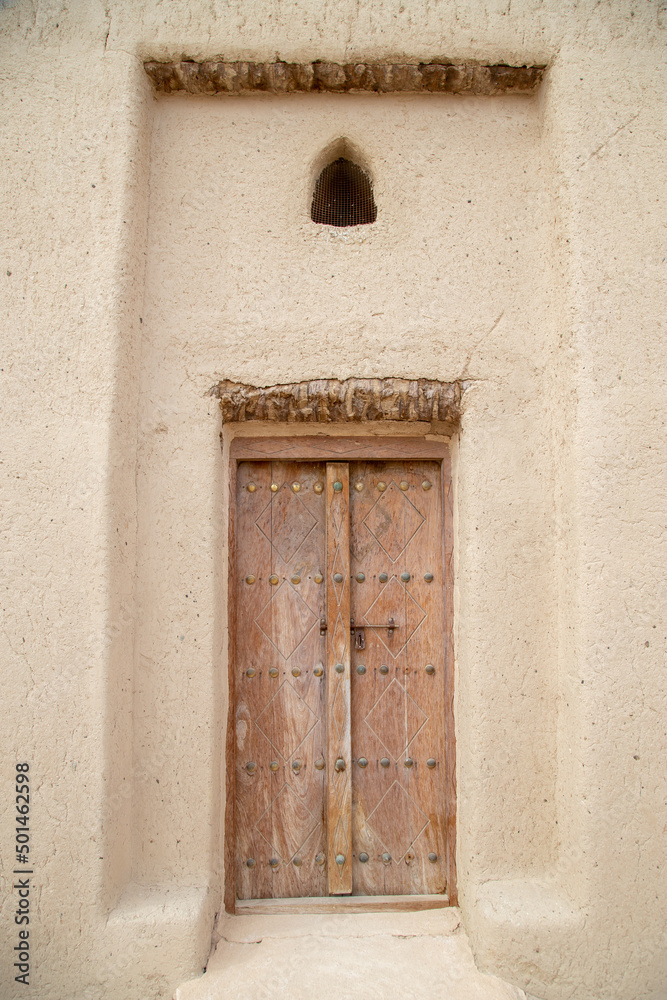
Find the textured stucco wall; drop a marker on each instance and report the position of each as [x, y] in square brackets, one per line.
[152, 246]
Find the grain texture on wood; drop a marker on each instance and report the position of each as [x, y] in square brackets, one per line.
[398, 678]
[355, 400]
[450, 733]
[279, 727]
[217, 77]
[344, 904]
[325, 448]
[230, 744]
[341, 748]
[339, 799]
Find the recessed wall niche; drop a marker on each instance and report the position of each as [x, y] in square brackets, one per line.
[458, 227]
[448, 282]
[343, 195]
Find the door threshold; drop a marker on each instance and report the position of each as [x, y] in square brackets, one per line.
[342, 904]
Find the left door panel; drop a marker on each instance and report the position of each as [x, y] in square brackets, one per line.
[280, 682]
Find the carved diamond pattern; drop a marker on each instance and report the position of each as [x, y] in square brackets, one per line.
[395, 602]
[338, 566]
[338, 710]
[286, 620]
[286, 721]
[393, 521]
[340, 839]
[338, 508]
[395, 718]
[287, 823]
[286, 523]
[397, 820]
[339, 640]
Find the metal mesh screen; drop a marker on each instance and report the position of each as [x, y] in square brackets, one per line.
[343, 196]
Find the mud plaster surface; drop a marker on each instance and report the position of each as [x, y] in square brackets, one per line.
[376, 956]
[150, 250]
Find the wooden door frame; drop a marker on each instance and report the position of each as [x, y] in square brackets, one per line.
[328, 448]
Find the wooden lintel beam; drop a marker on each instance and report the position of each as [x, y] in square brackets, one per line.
[220, 77]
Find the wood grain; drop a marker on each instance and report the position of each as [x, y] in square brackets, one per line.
[426, 77]
[356, 400]
[339, 800]
[230, 744]
[398, 711]
[279, 729]
[325, 448]
[450, 732]
[305, 817]
[343, 904]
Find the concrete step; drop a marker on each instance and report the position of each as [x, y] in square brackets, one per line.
[363, 956]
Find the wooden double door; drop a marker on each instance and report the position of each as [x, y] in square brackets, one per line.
[340, 682]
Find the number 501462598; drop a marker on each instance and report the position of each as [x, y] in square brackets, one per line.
[22, 813]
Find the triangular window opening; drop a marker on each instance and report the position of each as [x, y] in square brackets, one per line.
[343, 196]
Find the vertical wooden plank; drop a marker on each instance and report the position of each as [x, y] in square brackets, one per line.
[339, 756]
[230, 743]
[253, 653]
[450, 734]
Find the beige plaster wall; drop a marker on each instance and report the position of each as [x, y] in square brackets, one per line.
[153, 246]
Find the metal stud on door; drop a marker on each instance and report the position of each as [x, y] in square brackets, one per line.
[398, 698]
[340, 680]
[280, 727]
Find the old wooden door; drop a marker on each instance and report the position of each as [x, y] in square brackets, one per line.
[339, 680]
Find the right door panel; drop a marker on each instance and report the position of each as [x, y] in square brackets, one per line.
[397, 678]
